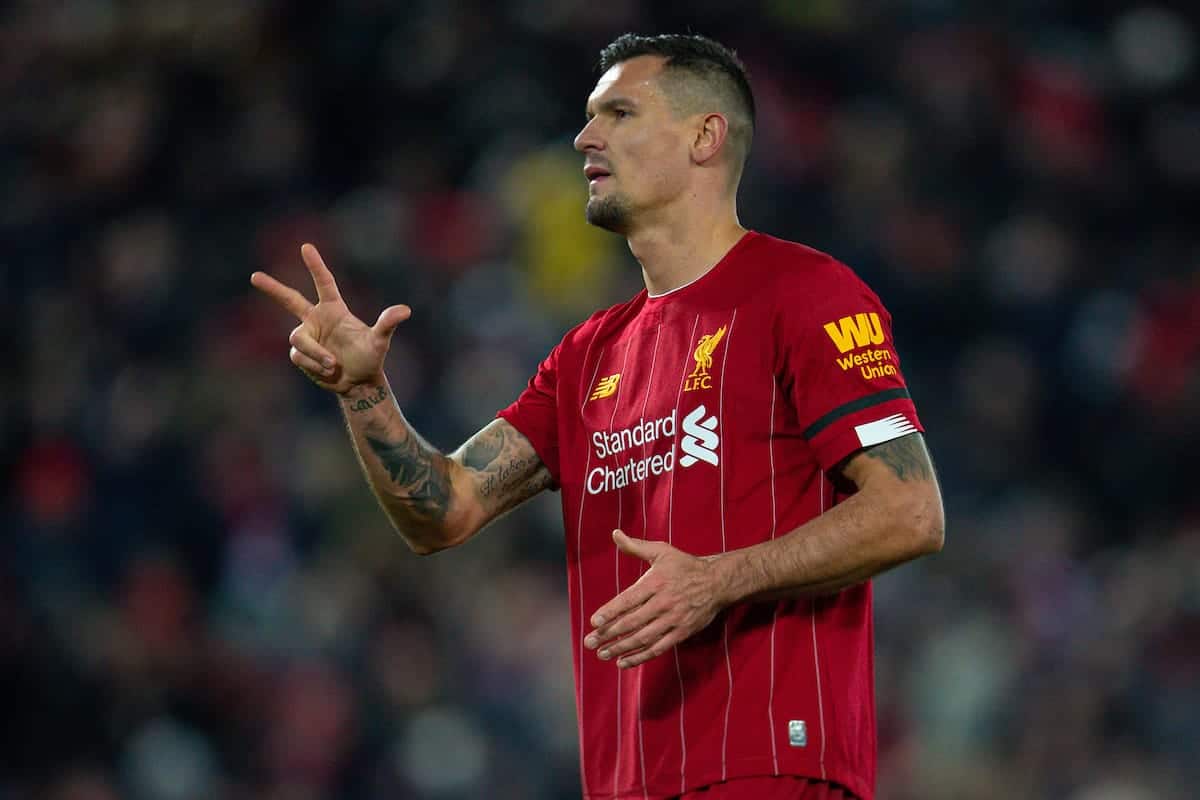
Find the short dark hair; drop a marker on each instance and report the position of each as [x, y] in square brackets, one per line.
[709, 63]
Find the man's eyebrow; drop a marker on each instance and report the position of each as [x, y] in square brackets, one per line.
[609, 105]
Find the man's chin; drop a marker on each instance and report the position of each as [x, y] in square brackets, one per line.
[607, 213]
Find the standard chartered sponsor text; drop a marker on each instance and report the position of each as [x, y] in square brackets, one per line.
[606, 479]
[609, 443]
[643, 432]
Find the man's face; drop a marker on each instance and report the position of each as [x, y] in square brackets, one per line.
[636, 152]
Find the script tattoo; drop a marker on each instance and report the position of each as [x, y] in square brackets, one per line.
[369, 402]
[420, 474]
[504, 459]
[540, 481]
[906, 457]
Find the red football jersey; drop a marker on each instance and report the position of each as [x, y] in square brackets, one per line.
[708, 417]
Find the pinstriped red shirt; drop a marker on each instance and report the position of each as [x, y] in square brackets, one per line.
[708, 417]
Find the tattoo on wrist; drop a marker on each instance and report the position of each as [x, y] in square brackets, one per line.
[368, 402]
[422, 476]
[906, 457]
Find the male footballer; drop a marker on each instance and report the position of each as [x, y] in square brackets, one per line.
[735, 449]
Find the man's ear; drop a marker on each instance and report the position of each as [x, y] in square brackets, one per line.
[710, 137]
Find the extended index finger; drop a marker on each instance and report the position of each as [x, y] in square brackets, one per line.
[285, 295]
[632, 598]
[322, 277]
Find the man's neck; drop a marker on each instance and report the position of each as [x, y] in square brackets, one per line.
[673, 255]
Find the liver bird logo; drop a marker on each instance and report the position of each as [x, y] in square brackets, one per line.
[704, 352]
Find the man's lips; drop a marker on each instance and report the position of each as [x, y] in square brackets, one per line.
[595, 172]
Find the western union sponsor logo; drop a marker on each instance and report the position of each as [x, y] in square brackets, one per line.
[859, 330]
[863, 359]
[871, 364]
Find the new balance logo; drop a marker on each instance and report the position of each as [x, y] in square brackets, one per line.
[699, 441]
[859, 330]
[605, 387]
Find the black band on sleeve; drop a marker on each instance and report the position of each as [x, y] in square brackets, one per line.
[854, 405]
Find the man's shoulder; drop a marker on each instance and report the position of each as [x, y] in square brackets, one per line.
[583, 334]
[791, 269]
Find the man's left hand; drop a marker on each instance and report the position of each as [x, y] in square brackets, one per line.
[679, 595]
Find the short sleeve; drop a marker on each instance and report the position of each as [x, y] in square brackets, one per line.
[535, 413]
[842, 370]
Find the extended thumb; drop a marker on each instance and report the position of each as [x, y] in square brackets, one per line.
[390, 317]
[634, 547]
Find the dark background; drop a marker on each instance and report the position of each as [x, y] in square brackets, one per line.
[198, 595]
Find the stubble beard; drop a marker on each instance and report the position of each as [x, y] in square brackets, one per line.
[612, 213]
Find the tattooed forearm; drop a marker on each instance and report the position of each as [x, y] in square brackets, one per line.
[368, 402]
[539, 482]
[421, 476]
[906, 457]
[481, 451]
[502, 477]
[507, 469]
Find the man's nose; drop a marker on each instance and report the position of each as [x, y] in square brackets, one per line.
[588, 138]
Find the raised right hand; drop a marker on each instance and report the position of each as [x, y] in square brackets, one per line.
[334, 348]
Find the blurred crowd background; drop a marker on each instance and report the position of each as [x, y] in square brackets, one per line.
[199, 597]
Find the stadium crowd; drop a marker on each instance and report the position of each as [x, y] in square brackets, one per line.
[199, 597]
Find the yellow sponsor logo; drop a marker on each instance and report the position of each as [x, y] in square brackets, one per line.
[699, 378]
[871, 364]
[859, 330]
[605, 387]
